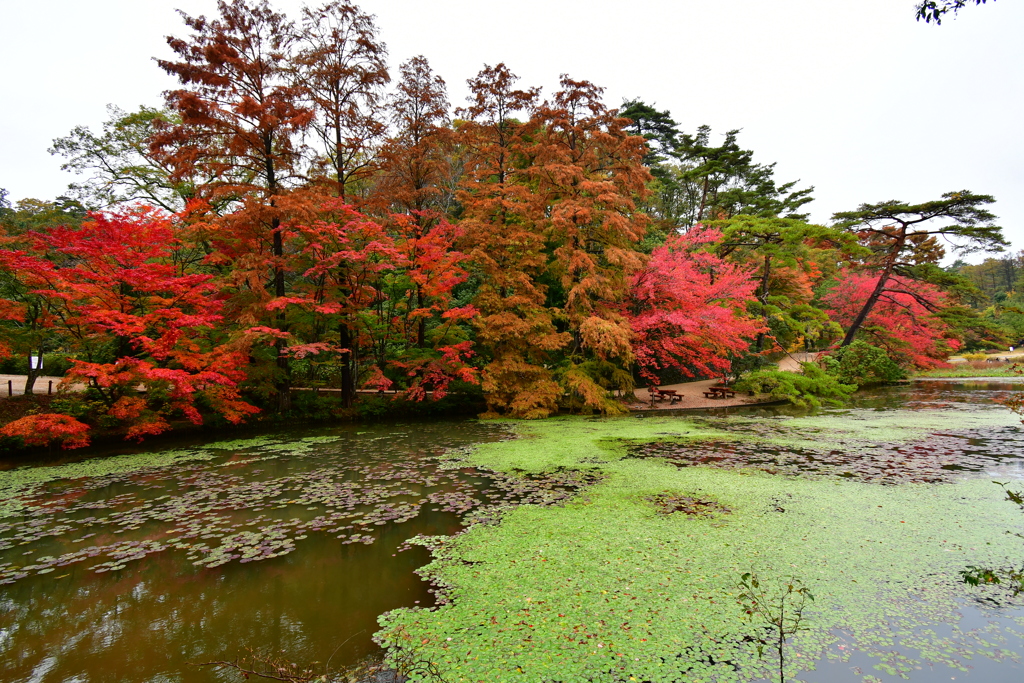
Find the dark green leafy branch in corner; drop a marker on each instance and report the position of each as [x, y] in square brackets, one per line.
[1011, 578]
[934, 10]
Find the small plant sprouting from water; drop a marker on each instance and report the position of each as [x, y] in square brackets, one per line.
[275, 667]
[1012, 578]
[405, 658]
[779, 608]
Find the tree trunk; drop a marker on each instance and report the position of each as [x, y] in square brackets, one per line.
[421, 328]
[703, 200]
[33, 373]
[284, 382]
[348, 384]
[879, 288]
[763, 298]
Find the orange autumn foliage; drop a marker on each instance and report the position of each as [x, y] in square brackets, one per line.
[46, 428]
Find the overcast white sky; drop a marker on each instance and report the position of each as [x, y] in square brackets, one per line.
[852, 96]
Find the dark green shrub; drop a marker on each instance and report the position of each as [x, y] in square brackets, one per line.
[310, 405]
[808, 390]
[862, 364]
[369, 406]
[749, 363]
[76, 405]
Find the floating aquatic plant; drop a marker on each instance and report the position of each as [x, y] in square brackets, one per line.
[608, 588]
[215, 510]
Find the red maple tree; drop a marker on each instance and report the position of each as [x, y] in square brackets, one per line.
[374, 282]
[687, 308]
[903, 320]
[142, 329]
[45, 428]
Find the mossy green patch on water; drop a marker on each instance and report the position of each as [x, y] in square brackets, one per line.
[242, 444]
[272, 444]
[607, 589]
[883, 447]
[864, 428]
[872, 426]
[572, 442]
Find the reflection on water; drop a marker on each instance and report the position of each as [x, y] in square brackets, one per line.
[125, 577]
[155, 616]
[968, 394]
[998, 634]
[877, 438]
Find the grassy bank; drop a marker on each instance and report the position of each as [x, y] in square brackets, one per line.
[608, 588]
[975, 369]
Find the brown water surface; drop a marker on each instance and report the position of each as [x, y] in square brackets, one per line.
[168, 597]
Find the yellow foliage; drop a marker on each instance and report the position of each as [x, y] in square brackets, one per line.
[608, 338]
[518, 388]
[595, 397]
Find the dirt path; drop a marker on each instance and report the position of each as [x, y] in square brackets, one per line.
[692, 394]
[17, 384]
[1015, 356]
[792, 361]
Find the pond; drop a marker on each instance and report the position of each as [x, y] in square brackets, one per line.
[130, 568]
[136, 567]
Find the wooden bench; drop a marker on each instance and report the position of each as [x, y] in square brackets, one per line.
[658, 394]
[719, 391]
[672, 395]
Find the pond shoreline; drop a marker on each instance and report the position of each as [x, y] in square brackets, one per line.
[12, 408]
[182, 431]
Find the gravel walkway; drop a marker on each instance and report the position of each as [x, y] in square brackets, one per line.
[17, 384]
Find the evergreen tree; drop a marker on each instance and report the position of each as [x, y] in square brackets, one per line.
[902, 239]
